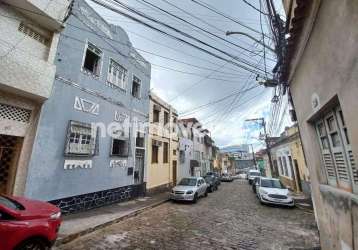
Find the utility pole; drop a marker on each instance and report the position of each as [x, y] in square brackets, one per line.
[253, 155]
[263, 124]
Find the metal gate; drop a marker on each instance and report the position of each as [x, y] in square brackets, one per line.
[7, 160]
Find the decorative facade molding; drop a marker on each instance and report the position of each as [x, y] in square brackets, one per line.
[85, 105]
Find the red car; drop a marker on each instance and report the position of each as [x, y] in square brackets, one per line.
[27, 224]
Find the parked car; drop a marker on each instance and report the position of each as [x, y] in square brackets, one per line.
[217, 177]
[252, 174]
[190, 189]
[211, 182]
[271, 191]
[254, 185]
[27, 224]
[242, 176]
[226, 177]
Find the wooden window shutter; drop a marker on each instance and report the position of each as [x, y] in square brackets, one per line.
[348, 149]
[326, 153]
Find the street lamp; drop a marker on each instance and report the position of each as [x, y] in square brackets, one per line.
[228, 33]
[263, 124]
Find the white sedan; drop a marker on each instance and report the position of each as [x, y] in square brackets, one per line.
[271, 191]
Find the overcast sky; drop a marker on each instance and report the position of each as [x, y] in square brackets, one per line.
[189, 90]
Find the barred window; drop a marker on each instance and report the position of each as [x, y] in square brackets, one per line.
[81, 139]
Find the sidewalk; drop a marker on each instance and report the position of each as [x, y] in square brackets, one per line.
[302, 201]
[75, 225]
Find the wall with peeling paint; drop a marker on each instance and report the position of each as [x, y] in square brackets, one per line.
[48, 179]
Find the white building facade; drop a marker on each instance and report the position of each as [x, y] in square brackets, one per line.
[27, 54]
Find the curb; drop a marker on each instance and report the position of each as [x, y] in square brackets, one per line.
[71, 237]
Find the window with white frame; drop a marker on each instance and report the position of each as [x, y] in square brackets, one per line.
[81, 140]
[136, 84]
[281, 166]
[284, 160]
[336, 152]
[166, 117]
[117, 75]
[93, 60]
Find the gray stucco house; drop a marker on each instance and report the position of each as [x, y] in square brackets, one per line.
[85, 155]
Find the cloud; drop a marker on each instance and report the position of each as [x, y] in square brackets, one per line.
[226, 128]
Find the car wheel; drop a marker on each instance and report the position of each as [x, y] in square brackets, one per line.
[33, 244]
[195, 199]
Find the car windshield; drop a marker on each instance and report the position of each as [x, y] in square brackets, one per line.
[187, 182]
[208, 178]
[254, 174]
[271, 184]
[9, 203]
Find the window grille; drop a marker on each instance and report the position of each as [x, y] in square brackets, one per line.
[14, 113]
[33, 34]
[81, 140]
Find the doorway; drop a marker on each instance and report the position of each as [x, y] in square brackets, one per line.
[10, 147]
[174, 173]
[298, 175]
[139, 166]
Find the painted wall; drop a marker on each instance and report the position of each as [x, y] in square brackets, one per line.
[185, 146]
[327, 67]
[160, 174]
[27, 74]
[47, 178]
[27, 68]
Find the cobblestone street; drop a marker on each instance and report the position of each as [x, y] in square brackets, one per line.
[231, 218]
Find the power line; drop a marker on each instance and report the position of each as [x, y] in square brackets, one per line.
[238, 106]
[230, 109]
[176, 30]
[263, 38]
[128, 8]
[220, 99]
[156, 65]
[191, 24]
[144, 51]
[254, 7]
[158, 30]
[213, 9]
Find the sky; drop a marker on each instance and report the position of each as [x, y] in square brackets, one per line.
[207, 80]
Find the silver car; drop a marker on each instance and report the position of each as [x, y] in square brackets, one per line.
[190, 189]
